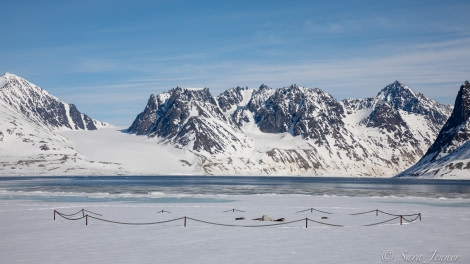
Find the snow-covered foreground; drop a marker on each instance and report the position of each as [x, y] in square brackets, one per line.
[30, 235]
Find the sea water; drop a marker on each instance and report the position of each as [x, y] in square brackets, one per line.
[205, 189]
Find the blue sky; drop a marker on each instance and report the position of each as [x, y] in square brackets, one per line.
[107, 57]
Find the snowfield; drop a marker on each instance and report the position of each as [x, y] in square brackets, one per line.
[136, 155]
[30, 234]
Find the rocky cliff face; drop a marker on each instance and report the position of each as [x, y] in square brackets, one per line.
[310, 113]
[230, 99]
[456, 130]
[450, 152]
[189, 118]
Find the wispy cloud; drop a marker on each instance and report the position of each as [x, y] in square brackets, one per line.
[95, 65]
[419, 66]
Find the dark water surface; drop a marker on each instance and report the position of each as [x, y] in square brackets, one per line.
[188, 188]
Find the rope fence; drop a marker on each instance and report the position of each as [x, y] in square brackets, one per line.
[313, 209]
[234, 210]
[88, 215]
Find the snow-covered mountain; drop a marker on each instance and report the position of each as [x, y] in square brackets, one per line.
[30, 119]
[41, 107]
[266, 131]
[449, 155]
[191, 119]
[295, 130]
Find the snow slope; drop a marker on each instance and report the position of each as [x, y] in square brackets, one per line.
[136, 155]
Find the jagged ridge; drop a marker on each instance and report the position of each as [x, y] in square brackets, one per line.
[312, 133]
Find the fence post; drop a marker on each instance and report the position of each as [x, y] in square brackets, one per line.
[83, 212]
[419, 214]
[306, 222]
[401, 219]
[376, 212]
[185, 221]
[54, 214]
[86, 219]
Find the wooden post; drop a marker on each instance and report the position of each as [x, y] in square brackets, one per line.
[54, 214]
[376, 212]
[311, 210]
[401, 219]
[306, 222]
[86, 219]
[419, 215]
[185, 221]
[83, 212]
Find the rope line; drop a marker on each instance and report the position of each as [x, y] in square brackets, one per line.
[91, 212]
[410, 221]
[61, 214]
[233, 210]
[81, 211]
[396, 214]
[398, 217]
[371, 211]
[361, 213]
[323, 223]
[212, 223]
[313, 209]
[129, 223]
[68, 218]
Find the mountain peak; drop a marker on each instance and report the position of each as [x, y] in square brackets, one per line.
[397, 90]
[401, 97]
[463, 98]
[263, 86]
[461, 111]
[396, 83]
[192, 94]
[9, 75]
[294, 86]
[41, 107]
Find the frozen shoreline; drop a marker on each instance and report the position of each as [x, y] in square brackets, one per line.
[30, 235]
